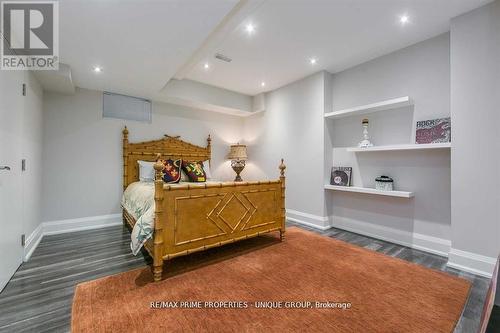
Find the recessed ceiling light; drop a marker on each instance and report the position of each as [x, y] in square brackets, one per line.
[250, 28]
[262, 84]
[313, 61]
[206, 65]
[97, 69]
[404, 19]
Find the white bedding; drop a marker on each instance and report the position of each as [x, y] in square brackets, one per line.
[138, 200]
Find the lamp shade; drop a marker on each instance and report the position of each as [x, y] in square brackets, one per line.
[238, 152]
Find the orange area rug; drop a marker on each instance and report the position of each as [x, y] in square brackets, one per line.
[219, 290]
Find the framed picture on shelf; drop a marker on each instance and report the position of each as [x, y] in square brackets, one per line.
[341, 176]
[433, 131]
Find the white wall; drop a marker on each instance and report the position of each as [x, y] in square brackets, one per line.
[292, 127]
[24, 126]
[82, 160]
[475, 100]
[421, 71]
[32, 151]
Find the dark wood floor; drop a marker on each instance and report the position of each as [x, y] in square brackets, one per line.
[494, 324]
[39, 296]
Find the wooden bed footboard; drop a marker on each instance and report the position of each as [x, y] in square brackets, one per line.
[196, 217]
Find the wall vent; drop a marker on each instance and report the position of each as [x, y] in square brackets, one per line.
[223, 57]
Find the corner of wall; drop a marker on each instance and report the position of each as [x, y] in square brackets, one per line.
[67, 226]
[310, 220]
[471, 262]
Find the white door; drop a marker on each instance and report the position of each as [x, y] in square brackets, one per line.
[11, 113]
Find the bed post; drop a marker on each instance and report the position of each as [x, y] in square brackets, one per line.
[125, 157]
[125, 166]
[158, 232]
[282, 168]
[209, 150]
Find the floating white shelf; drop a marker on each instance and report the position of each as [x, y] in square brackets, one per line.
[366, 190]
[446, 145]
[369, 108]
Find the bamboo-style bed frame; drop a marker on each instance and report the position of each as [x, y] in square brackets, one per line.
[199, 216]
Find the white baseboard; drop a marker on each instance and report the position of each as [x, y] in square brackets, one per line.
[414, 240]
[32, 242]
[472, 262]
[462, 260]
[431, 244]
[310, 220]
[65, 226]
[80, 224]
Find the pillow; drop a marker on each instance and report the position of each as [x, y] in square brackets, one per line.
[206, 167]
[146, 171]
[184, 177]
[195, 171]
[171, 171]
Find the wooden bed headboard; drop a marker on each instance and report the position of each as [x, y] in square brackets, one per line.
[169, 147]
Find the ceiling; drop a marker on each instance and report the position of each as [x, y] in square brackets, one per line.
[141, 45]
[339, 33]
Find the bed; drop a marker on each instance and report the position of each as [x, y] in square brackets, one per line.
[192, 217]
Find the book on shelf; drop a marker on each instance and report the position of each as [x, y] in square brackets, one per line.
[341, 176]
[433, 131]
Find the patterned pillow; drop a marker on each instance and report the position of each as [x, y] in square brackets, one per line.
[184, 177]
[195, 171]
[171, 171]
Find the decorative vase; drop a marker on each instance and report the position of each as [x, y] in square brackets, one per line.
[366, 138]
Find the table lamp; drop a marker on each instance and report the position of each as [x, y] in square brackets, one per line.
[238, 156]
